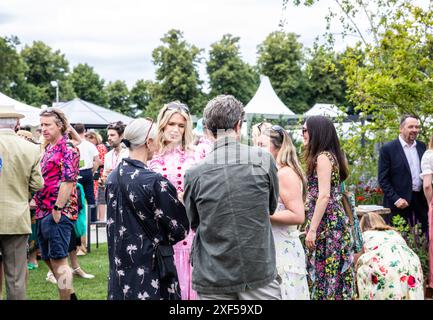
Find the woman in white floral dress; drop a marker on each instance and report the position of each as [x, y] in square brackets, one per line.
[290, 213]
[388, 269]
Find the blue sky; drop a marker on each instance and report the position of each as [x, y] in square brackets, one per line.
[117, 37]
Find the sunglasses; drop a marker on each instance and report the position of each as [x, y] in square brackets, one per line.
[304, 130]
[150, 128]
[176, 106]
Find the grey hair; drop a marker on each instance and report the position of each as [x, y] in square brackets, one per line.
[8, 123]
[136, 132]
[222, 113]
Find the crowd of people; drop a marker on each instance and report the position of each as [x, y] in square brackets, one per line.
[196, 214]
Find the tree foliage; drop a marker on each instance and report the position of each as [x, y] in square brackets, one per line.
[12, 66]
[176, 72]
[141, 94]
[118, 98]
[388, 72]
[228, 74]
[281, 59]
[45, 65]
[88, 85]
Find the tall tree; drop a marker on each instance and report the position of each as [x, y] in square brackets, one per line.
[176, 72]
[228, 74]
[45, 66]
[325, 77]
[281, 59]
[141, 94]
[12, 66]
[88, 85]
[119, 99]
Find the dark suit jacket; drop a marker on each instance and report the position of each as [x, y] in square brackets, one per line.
[395, 178]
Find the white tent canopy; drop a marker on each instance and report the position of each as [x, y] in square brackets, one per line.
[266, 103]
[91, 115]
[31, 114]
[324, 109]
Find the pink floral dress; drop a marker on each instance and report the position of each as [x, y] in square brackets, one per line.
[172, 165]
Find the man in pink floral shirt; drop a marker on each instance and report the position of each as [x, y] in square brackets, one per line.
[56, 202]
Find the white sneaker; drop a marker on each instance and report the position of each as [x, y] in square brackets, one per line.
[80, 273]
[51, 278]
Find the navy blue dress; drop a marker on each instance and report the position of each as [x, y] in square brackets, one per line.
[130, 251]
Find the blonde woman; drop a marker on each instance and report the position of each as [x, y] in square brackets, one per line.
[257, 129]
[174, 156]
[387, 269]
[290, 213]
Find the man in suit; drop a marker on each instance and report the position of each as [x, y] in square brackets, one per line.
[20, 175]
[399, 174]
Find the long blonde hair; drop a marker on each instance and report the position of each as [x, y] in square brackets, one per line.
[373, 221]
[164, 116]
[286, 153]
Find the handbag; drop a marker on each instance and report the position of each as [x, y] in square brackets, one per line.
[163, 254]
[348, 202]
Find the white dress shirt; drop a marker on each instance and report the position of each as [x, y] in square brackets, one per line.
[414, 163]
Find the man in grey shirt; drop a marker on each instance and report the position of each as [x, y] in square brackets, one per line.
[229, 197]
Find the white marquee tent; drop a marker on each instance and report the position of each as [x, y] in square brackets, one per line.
[91, 115]
[324, 109]
[266, 103]
[31, 114]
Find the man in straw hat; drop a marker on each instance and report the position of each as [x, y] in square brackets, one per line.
[20, 175]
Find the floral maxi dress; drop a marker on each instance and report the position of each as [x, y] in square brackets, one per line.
[330, 268]
[388, 269]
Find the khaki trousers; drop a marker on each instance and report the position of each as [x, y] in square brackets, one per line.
[14, 253]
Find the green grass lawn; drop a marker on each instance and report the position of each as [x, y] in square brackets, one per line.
[95, 263]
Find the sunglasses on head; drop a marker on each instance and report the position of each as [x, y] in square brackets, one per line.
[176, 106]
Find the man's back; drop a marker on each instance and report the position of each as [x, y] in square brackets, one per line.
[20, 175]
[229, 197]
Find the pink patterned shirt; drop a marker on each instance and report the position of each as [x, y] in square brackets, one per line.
[60, 163]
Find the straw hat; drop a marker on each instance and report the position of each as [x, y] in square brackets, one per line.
[9, 112]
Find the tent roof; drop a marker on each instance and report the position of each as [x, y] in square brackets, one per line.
[91, 115]
[31, 114]
[266, 102]
[324, 109]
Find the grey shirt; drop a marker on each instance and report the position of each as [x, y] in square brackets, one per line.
[229, 197]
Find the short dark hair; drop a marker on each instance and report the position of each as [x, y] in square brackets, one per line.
[119, 126]
[222, 113]
[80, 128]
[404, 118]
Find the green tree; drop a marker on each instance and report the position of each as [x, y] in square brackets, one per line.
[387, 74]
[119, 98]
[12, 66]
[141, 94]
[228, 74]
[88, 85]
[44, 66]
[176, 73]
[325, 77]
[281, 59]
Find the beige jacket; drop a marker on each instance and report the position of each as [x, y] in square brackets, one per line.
[20, 175]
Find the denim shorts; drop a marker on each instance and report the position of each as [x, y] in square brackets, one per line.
[54, 238]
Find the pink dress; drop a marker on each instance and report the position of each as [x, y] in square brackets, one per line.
[172, 165]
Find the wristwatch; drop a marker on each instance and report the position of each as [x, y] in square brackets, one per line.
[57, 208]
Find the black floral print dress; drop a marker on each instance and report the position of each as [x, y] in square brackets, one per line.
[130, 251]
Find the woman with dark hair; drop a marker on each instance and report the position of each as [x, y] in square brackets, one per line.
[329, 244]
